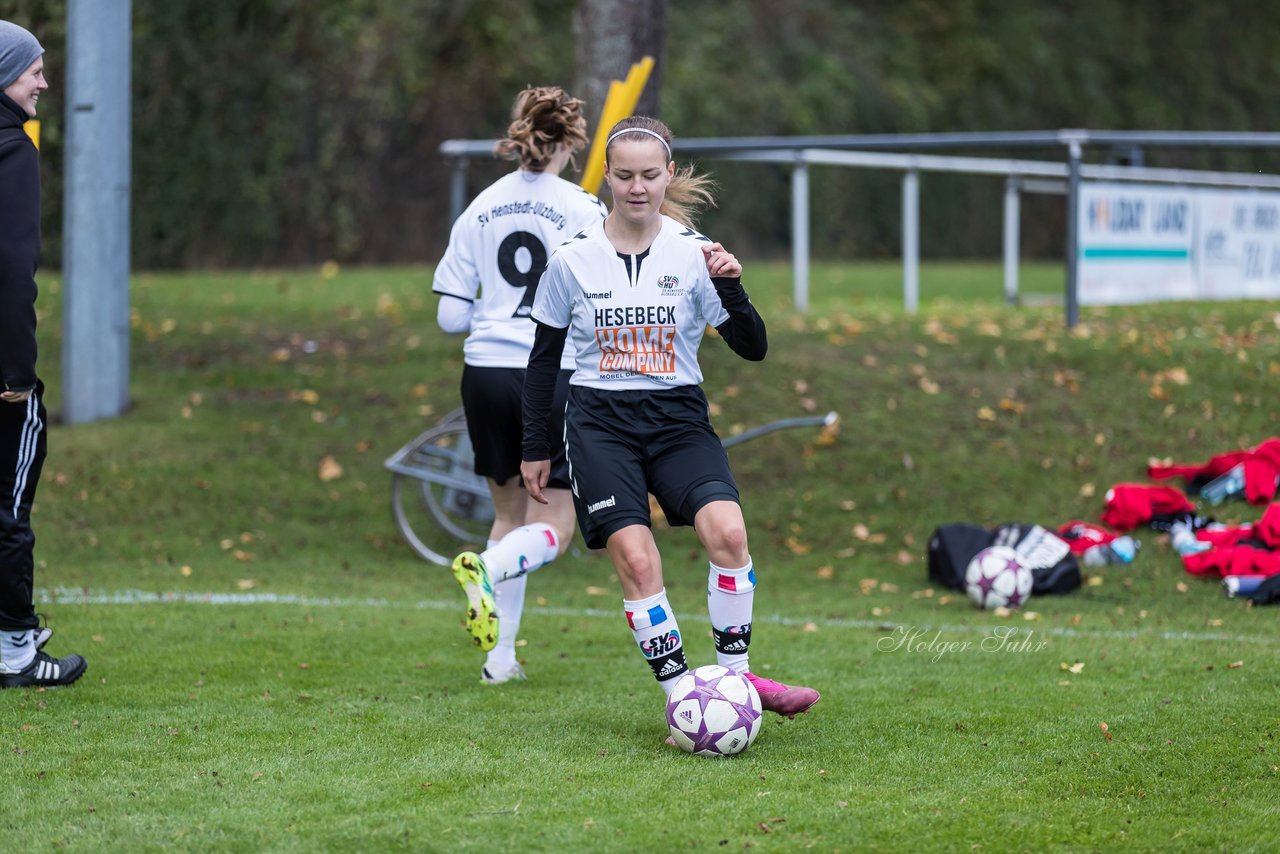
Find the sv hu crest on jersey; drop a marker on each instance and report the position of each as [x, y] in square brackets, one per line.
[669, 284]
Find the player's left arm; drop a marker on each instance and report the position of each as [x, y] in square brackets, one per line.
[743, 330]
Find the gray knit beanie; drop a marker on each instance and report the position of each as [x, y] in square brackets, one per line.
[18, 49]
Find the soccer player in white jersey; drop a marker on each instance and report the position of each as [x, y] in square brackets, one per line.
[634, 295]
[486, 280]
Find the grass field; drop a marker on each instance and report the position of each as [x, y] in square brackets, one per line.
[271, 668]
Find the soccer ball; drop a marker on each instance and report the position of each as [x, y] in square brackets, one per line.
[713, 711]
[995, 579]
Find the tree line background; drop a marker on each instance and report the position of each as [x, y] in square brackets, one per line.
[279, 132]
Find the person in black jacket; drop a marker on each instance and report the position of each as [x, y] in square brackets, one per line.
[23, 662]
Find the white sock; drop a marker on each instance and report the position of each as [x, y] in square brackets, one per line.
[17, 650]
[654, 627]
[509, 599]
[731, 595]
[522, 550]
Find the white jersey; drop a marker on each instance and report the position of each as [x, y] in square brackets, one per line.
[498, 249]
[635, 322]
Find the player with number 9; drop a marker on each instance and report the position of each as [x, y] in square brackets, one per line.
[486, 280]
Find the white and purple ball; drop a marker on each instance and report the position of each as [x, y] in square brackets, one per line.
[713, 711]
[995, 579]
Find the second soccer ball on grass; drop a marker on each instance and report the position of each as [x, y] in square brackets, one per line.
[996, 579]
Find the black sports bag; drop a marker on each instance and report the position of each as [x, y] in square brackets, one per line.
[1054, 569]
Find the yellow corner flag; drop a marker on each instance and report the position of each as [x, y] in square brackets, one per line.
[620, 103]
[32, 127]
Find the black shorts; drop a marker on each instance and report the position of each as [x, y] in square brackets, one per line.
[624, 445]
[491, 399]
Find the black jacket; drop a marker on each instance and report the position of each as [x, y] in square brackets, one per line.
[19, 248]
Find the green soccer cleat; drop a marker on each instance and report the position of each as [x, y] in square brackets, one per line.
[482, 613]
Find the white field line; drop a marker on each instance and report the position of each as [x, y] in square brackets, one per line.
[78, 596]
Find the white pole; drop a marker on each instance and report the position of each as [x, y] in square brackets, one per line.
[95, 265]
[800, 232]
[1012, 215]
[911, 241]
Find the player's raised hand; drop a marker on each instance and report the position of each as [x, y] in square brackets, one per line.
[720, 261]
[535, 474]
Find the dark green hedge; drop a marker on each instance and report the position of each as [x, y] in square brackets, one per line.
[293, 131]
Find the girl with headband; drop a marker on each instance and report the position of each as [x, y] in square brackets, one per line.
[634, 294]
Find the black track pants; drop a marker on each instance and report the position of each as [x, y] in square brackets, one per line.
[23, 445]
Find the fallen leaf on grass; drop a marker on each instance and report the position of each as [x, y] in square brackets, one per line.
[986, 413]
[1235, 665]
[330, 469]
[1106, 730]
[246, 584]
[1177, 376]
[596, 591]
[1072, 668]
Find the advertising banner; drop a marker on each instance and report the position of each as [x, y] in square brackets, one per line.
[1147, 243]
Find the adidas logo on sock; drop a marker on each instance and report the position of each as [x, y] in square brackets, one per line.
[736, 646]
[671, 668]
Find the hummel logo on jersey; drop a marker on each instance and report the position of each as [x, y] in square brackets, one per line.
[599, 295]
[689, 232]
[671, 668]
[600, 505]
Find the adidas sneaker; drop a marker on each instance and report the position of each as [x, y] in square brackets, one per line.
[45, 671]
[482, 612]
[789, 700]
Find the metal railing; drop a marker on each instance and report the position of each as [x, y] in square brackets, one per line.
[898, 152]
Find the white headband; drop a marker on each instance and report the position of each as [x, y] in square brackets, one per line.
[653, 134]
